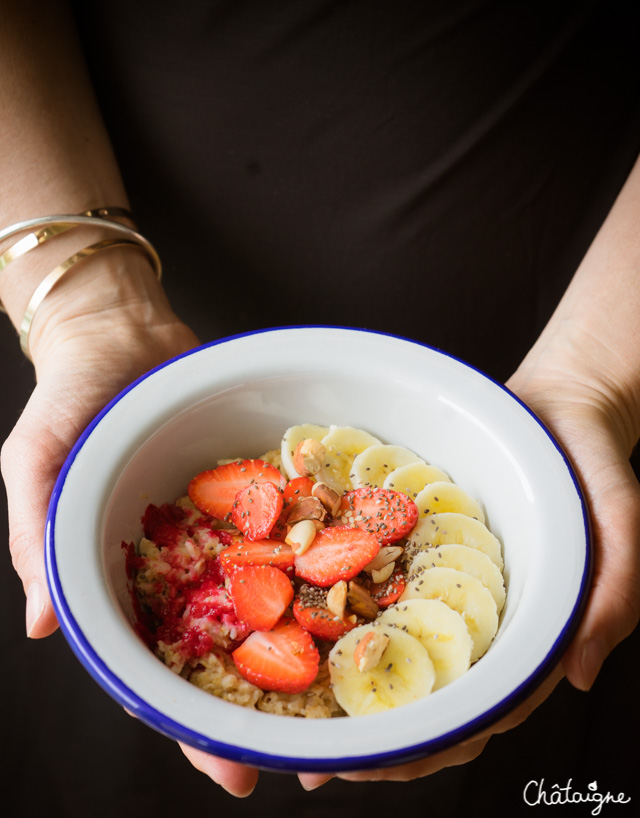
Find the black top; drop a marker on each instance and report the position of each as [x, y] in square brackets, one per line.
[433, 169]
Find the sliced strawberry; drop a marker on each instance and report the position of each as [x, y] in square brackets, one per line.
[214, 491]
[284, 659]
[311, 611]
[280, 529]
[261, 594]
[336, 553]
[257, 552]
[293, 491]
[256, 509]
[297, 488]
[390, 591]
[390, 515]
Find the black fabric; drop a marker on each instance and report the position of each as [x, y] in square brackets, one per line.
[433, 169]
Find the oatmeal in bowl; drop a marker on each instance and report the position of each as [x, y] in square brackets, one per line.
[335, 575]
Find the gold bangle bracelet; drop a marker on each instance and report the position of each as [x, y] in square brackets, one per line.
[47, 283]
[35, 239]
[70, 220]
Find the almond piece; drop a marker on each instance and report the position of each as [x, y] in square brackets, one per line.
[383, 574]
[386, 555]
[306, 508]
[361, 602]
[329, 497]
[300, 536]
[337, 598]
[369, 650]
[308, 457]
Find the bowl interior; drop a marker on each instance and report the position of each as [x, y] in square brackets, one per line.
[236, 399]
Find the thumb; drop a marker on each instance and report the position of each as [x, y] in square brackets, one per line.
[31, 458]
[614, 604]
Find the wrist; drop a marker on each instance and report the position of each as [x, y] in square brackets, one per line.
[570, 370]
[114, 294]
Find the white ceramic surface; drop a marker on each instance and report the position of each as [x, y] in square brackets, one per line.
[236, 397]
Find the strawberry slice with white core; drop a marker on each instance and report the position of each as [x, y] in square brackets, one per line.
[284, 659]
[260, 594]
[256, 509]
[215, 491]
[389, 515]
[336, 553]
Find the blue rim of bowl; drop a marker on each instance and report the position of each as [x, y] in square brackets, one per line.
[119, 691]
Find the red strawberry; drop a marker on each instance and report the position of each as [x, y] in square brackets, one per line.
[261, 594]
[297, 488]
[317, 619]
[390, 591]
[214, 491]
[257, 552]
[293, 491]
[256, 509]
[336, 553]
[284, 659]
[390, 515]
[164, 525]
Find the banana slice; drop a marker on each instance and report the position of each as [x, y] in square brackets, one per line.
[440, 629]
[461, 558]
[290, 440]
[404, 674]
[466, 595]
[413, 477]
[451, 527]
[374, 464]
[446, 496]
[343, 444]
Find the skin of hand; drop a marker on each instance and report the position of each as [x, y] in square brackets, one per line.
[81, 363]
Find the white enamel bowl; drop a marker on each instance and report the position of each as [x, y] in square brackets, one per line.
[236, 397]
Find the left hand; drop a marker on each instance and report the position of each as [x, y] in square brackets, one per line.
[597, 428]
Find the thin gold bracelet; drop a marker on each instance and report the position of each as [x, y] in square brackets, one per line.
[65, 221]
[33, 240]
[50, 280]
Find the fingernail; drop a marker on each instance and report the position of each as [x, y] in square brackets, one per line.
[36, 599]
[313, 784]
[593, 655]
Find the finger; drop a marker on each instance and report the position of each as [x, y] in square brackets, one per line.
[460, 754]
[613, 609]
[235, 778]
[29, 469]
[311, 781]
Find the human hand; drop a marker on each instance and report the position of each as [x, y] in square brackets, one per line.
[568, 386]
[82, 360]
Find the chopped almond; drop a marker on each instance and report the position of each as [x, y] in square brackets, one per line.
[308, 457]
[300, 536]
[361, 602]
[369, 650]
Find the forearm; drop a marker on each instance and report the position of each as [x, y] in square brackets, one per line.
[57, 158]
[595, 330]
